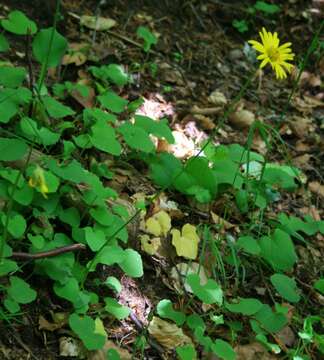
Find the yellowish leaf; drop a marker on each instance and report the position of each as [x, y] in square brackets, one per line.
[186, 244]
[159, 224]
[149, 245]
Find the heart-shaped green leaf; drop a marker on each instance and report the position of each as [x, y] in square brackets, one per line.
[88, 331]
[19, 24]
[12, 149]
[116, 309]
[49, 47]
[165, 310]
[209, 293]
[245, 306]
[286, 287]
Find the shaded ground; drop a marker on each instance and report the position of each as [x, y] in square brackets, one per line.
[198, 51]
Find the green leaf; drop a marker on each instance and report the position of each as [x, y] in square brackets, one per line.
[13, 176]
[209, 293]
[194, 321]
[12, 149]
[278, 250]
[164, 168]
[112, 354]
[109, 255]
[18, 23]
[247, 306]
[266, 7]
[40, 135]
[49, 47]
[11, 100]
[102, 215]
[240, 25]
[37, 241]
[319, 285]
[4, 45]
[148, 37]
[16, 225]
[286, 287]
[136, 137]
[132, 263]
[94, 238]
[223, 349]
[12, 76]
[158, 128]
[71, 292]
[113, 283]
[117, 75]
[7, 266]
[111, 101]
[85, 328]
[186, 352]
[249, 245]
[11, 305]
[70, 216]
[103, 137]
[165, 310]
[270, 321]
[55, 108]
[20, 291]
[24, 195]
[95, 115]
[113, 307]
[242, 200]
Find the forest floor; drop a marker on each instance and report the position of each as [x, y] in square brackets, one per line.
[196, 69]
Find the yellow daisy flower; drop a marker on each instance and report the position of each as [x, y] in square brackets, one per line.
[38, 180]
[274, 54]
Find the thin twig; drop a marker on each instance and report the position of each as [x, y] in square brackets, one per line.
[49, 253]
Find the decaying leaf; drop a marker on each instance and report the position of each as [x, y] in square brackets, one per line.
[217, 98]
[316, 188]
[71, 347]
[186, 242]
[159, 224]
[253, 351]
[102, 353]
[167, 334]
[242, 119]
[149, 245]
[97, 23]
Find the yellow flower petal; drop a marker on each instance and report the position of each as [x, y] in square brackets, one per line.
[277, 56]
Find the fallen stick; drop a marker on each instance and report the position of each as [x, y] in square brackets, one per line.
[49, 253]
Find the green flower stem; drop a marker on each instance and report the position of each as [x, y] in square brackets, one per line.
[45, 64]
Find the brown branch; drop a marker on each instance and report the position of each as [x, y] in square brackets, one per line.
[49, 253]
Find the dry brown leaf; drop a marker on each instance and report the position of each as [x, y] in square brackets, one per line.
[300, 125]
[220, 221]
[71, 347]
[217, 98]
[253, 351]
[286, 336]
[316, 188]
[168, 335]
[87, 102]
[302, 161]
[101, 354]
[242, 119]
[97, 23]
[206, 122]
